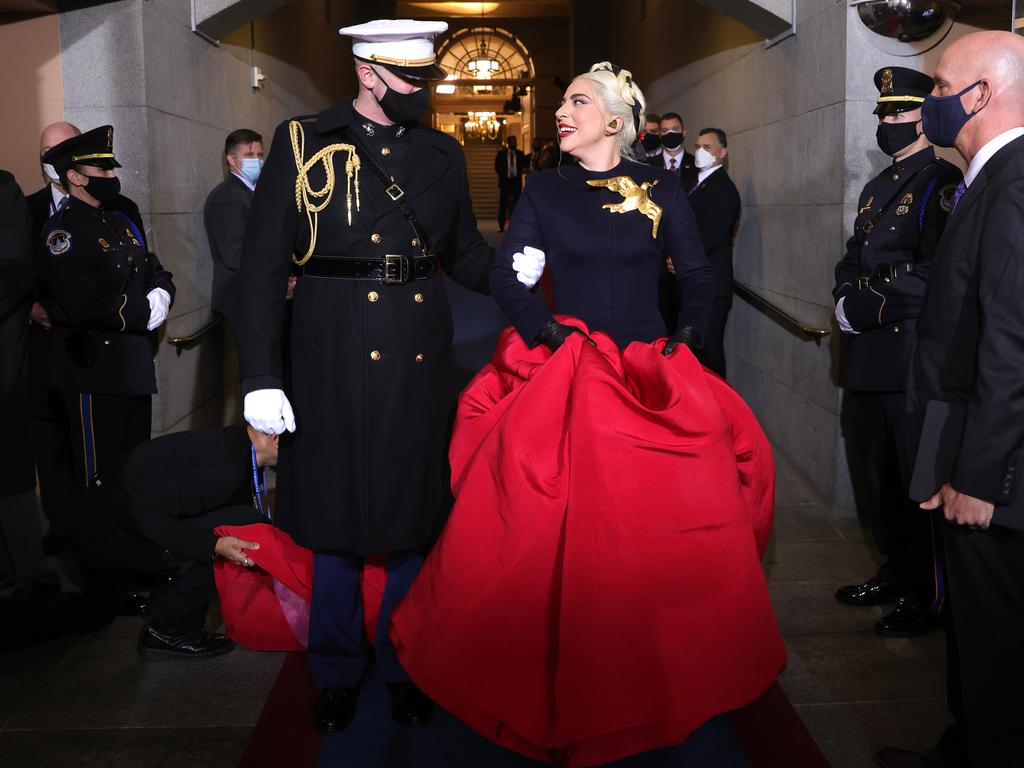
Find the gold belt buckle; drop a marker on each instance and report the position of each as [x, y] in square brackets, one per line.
[863, 282]
[396, 269]
[395, 192]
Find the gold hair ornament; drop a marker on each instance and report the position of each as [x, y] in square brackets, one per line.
[635, 197]
[304, 192]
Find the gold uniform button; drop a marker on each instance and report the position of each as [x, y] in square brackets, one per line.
[418, 298]
[415, 242]
[385, 151]
[375, 355]
[373, 296]
[375, 238]
[420, 358]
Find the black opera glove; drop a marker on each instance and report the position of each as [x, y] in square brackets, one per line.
[554, 334]
[687, 335]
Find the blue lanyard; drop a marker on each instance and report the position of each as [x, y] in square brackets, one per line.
[256, 485]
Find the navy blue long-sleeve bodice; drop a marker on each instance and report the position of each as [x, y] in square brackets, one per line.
[604, 265]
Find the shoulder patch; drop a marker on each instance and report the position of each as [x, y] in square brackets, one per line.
[59, 242]
[946, 195]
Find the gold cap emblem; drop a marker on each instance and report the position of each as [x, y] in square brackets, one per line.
[886, 81]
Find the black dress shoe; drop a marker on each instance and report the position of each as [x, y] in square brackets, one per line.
[907, 621]
[410, 706]
[874, 591]
[890, 757]
[186, 645]
[335, 708]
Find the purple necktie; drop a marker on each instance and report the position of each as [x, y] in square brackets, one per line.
[960, 189]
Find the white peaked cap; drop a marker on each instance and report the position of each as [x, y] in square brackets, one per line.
[400, 42]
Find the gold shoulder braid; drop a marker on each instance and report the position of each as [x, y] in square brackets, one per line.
[635, 197]
[305, 194]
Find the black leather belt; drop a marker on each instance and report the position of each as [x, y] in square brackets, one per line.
[885, 272]
[393, 269]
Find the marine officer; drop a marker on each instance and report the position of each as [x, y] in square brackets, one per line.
[879, 290]
[372, 206]
[109, 293]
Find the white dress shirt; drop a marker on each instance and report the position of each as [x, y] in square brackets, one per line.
[249, 184]
[707, 172]
[986, 152]
[677, 157]
[58, 196]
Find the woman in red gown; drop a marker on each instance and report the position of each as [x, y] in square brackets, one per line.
[597, 591]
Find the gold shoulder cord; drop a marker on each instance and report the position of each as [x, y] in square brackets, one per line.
[305, 194]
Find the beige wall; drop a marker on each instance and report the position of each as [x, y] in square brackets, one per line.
[30, 81]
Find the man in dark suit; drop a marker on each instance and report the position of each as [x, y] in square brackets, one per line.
[716, 206]
[673, 155]
[175, 490]
[225, 214]
[508, 165]
[50, 428]
[880, 285]
[21, 555]
[970, 352]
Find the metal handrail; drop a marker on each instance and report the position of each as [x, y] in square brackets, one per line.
[194, 339]
[779, 315]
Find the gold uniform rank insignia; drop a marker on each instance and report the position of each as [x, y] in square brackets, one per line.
[867, 205]
[635, 197]
[58, 241]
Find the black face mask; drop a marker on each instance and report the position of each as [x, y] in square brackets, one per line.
[405, 108]
[894, 137]
[651, 141]
[103, 189]
[672, 140]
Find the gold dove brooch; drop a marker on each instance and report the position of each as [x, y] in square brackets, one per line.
[634, 198]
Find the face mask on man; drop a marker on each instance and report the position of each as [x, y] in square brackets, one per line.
[251, 167]
[704, 159]
[105, 189]
[892, 138]
[651, 141]
[672, 140]
[405, 108]
[943, 117]
[51, 172]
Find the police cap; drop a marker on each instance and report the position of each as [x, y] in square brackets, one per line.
[404, 46]
[901, 89]
[95, 147]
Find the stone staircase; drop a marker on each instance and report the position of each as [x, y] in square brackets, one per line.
[483, 184]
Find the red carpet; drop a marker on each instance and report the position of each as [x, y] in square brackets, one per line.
[769, 729]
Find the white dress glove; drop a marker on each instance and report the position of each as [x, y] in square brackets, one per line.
[529, 265]
[844, 324]
[159, 304]
[269, 411]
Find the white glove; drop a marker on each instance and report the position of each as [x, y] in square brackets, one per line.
[269, 411]
[529, 265]
[159, 304]
[844, 324]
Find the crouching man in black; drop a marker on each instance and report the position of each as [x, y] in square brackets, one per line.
[179, 488]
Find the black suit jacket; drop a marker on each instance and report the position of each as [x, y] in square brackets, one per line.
[716, 206]
[687, 170]
[501, 167]
[224, 215]
[970, 335]
[178, 488]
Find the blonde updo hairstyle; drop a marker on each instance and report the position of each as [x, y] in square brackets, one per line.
[619, 97]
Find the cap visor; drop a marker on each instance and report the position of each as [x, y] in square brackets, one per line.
[428, 73]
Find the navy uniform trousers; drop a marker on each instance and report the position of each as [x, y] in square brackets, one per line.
[337, 642]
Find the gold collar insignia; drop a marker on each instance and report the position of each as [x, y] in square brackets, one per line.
[634, 198]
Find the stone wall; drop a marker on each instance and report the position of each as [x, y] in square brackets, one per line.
[172, 97]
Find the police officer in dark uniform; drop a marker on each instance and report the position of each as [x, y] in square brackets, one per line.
[372, 206]
[879, 291]
[109, 294]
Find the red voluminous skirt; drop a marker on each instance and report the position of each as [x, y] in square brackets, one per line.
[598, 590]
